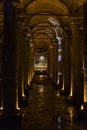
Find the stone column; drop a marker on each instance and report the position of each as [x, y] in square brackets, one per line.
[51, 62]
[31, 63]
[9, 59]
[60, 63]
[10, 93]
[55, 63]
[85, 52]
[1, 64]
[20, 63]
[67, 61]
[75, 63]
[22, 56]
[26, 57]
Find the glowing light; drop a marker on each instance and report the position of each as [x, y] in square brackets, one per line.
[59, 57]
[23, 95]
[51, 47]
[29, 78]
[1, 108]
[63, 84]
[41, 76]
[41, 89]
[58, 94]
[71, 114]
[58, 80]
[85, 91]
[59, 41]
[71, 90]
[59, 73]
[42, 58]
[59, 50]
[17, 106]
[82, 107]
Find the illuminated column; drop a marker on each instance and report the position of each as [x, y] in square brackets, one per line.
[85, 52]
[51, 61]
[67, 62]
[1, 87]
[9, 61]
[59, 60]
[20, 64]
[19, 67]
[22, 60]
[55, 63]
[31, 63]
[76, 88]
[26, 56]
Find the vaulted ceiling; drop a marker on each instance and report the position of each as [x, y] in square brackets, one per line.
[46, 17]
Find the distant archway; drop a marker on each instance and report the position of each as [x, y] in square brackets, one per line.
[40, 60]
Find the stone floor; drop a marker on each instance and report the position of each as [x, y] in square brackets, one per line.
[47, 110]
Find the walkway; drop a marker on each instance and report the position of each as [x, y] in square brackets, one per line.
[47, 110]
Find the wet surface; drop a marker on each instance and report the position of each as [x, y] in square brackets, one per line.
[47, 110]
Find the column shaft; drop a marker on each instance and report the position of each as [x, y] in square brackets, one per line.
[75, 65]
[9, 59]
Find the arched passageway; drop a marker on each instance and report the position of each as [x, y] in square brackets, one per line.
[46, 37]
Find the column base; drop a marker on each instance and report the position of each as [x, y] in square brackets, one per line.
[70, 100]
[24, 101]
[59, 87]
[27, 90]
[82, 115]
[73, 102]
[7, 120]
[64, 93]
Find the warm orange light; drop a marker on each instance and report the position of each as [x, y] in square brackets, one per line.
[82, 107]
[71, 90]
[51, 47]
[41, 76]
[58, 94]
[58, 80]
[85, 91]
[1, 108]
[17, 106]
[71, 114]
[41, 89]
[63, 84]
[23, 95]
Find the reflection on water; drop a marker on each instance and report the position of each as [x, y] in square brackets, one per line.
[47, 110]
[71, 111]
[59, 121]
[41, 89]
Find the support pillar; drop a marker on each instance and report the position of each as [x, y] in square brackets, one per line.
[67, 62]
[76, 88]
[31, 63]
[51, 62]
[10, 93]
[55, 63]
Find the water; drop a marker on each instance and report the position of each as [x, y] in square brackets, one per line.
[47, 110]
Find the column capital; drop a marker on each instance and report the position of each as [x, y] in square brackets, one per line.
[75, 22]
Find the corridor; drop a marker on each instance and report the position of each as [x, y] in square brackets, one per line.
[47, 110]
[43, 64]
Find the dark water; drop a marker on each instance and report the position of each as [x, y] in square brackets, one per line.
[47, 110]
